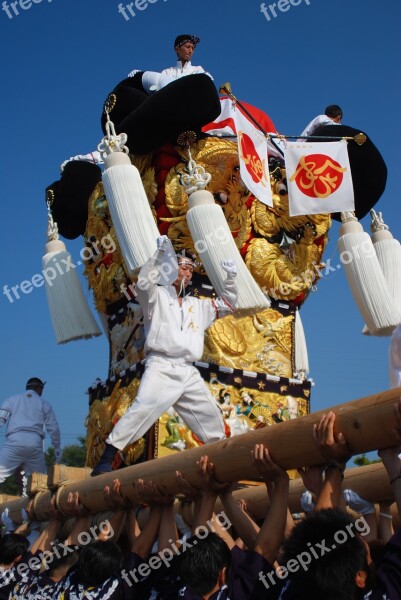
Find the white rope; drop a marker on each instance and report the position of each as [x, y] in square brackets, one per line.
[52, 228]
[196, 178]
[112, 142]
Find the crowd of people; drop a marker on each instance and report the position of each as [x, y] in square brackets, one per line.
[151, 551]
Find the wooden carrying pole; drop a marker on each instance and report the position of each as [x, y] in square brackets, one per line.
[370, 482]
[367, 424]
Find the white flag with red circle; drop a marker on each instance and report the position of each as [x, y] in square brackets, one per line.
[252, 150]
[319, 178]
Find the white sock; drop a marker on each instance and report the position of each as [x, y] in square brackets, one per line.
[358, 504]
[306, 502]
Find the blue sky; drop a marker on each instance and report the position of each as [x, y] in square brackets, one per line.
[60, 58]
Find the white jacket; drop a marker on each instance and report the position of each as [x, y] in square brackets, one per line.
[178, 330]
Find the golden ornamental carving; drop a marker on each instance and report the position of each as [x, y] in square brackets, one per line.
[243, 409]
[283, 275]
[256, 342]
[270, 221]
[106, 273]
[237, 213]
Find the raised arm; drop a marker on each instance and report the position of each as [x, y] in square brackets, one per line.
[161, 268]
[271, 533]
[335, 450]
[243, 524]
[82, 519]
[149, 494]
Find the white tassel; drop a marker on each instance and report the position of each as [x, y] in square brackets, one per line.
[365, 277]
[214, 242]
[388, 251]
[130, 212]
[71, 316]
[301, 350]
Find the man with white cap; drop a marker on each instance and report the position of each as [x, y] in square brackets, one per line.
[27, 415]
[174, 324]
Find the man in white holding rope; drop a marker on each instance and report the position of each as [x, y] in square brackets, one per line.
[174, 328]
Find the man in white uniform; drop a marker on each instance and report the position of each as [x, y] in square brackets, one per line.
[184, 47]
[332, 116]
[174, 329]
[27, 415]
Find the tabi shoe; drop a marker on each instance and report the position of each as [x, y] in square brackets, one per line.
[358, 504]
[104, 464]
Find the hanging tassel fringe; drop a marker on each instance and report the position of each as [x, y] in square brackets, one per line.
[214, 242]
[71, 316]
[365, 277]
[130, 212]
[388, 251]
[301, 350]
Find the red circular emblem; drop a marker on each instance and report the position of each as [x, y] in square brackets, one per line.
[318, 175]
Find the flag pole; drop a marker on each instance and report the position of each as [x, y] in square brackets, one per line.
[226, 89]
[359, 138]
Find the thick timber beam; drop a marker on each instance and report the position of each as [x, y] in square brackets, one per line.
[367, 424]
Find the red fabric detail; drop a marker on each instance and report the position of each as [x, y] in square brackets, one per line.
[117, 462]
[250, 201]
[227, 430]
[165, 158]
[107, 260]
[299, 299]
[319, 241]
[160, 198]
[221, 124]
[197, 440]
[163, 227]
[163, 211]
[161, 175]
[261, 117]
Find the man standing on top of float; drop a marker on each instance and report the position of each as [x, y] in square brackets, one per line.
[333, 115]
[184, 46]
[174, 328]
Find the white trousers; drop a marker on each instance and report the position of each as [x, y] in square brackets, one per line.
[166, 383]
[22, 450]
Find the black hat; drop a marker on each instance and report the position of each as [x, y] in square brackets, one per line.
[185, 104]
[69, 196]
[368, 169]
[34, 382]
[184, 38]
